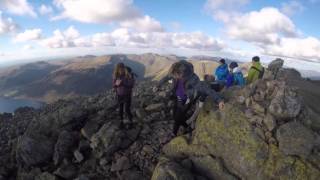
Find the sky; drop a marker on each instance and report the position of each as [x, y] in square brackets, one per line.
[236, 29]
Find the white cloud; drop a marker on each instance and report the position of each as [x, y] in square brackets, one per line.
[263, 27]
[18, 7]
[224, 10]
[292, 7]
[124, 37]
[63, 39]
[143, 24]
[224, 4]
[7, 25]
[97, 11]
[122, 12]
[302, 48]
[43, 9]
[28, 35]
[27, 47]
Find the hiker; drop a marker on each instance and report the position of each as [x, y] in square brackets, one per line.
[186, 91]
[235, 76]
[123, 83]
[222, 72]
[256, 71]
[210, 80]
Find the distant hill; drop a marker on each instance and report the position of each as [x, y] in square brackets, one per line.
[87, 75]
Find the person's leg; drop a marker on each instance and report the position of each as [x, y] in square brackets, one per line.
[178, 118]
[121, 105]
[128, 107]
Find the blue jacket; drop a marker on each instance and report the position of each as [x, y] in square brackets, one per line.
[222, 72]
[238, 77]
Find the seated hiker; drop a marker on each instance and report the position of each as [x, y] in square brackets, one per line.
[123, 83]
[222, 72]
[256, 71]
[235, 77]
[187, 89]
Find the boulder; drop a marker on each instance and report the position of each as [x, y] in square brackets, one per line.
[295, 139]
[211, 168]
[229, 136]
[33, 151]
[123, 163]
[64, 146]
[78, 156]
[286, 104]
[90, 129]
[66, 171]
[107, 140]
[46, 176]
[275, 65]
[167, 169]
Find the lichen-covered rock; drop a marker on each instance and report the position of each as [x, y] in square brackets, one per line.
[295, 139]
[285, 104]
[228, 135]
[211, 168]
[167, 169]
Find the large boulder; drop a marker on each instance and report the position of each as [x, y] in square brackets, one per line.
[33, 151]
[64, 146]
[295, 139]
[228, 135]
[285, 104]
[107, 140]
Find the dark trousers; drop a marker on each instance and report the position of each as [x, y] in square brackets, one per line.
[124, 102]
[179, 116]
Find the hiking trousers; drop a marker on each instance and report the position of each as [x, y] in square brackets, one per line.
[124, 102]
[179, 116]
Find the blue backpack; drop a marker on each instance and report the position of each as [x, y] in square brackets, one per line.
[222, 72]
[239, 79]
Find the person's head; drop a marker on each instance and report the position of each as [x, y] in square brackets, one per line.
[233, 65]
[181, 69]
[256, 59]
[120, 70]
[222, 61]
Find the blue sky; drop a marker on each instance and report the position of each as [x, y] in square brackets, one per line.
[32, 29]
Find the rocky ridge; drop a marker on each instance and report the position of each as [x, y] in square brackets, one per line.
[265, 132]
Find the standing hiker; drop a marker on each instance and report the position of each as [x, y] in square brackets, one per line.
[256, 71]
[123, 82]
[186, 91]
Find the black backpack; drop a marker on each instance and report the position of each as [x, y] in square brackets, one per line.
[261, 72]
[134, 75]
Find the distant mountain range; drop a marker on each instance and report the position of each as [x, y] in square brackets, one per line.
[87, 75]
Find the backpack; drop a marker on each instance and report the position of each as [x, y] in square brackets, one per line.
[239, 80]
[261, 72]
[133, 75]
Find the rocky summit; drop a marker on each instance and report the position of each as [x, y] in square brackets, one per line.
[266, 131]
